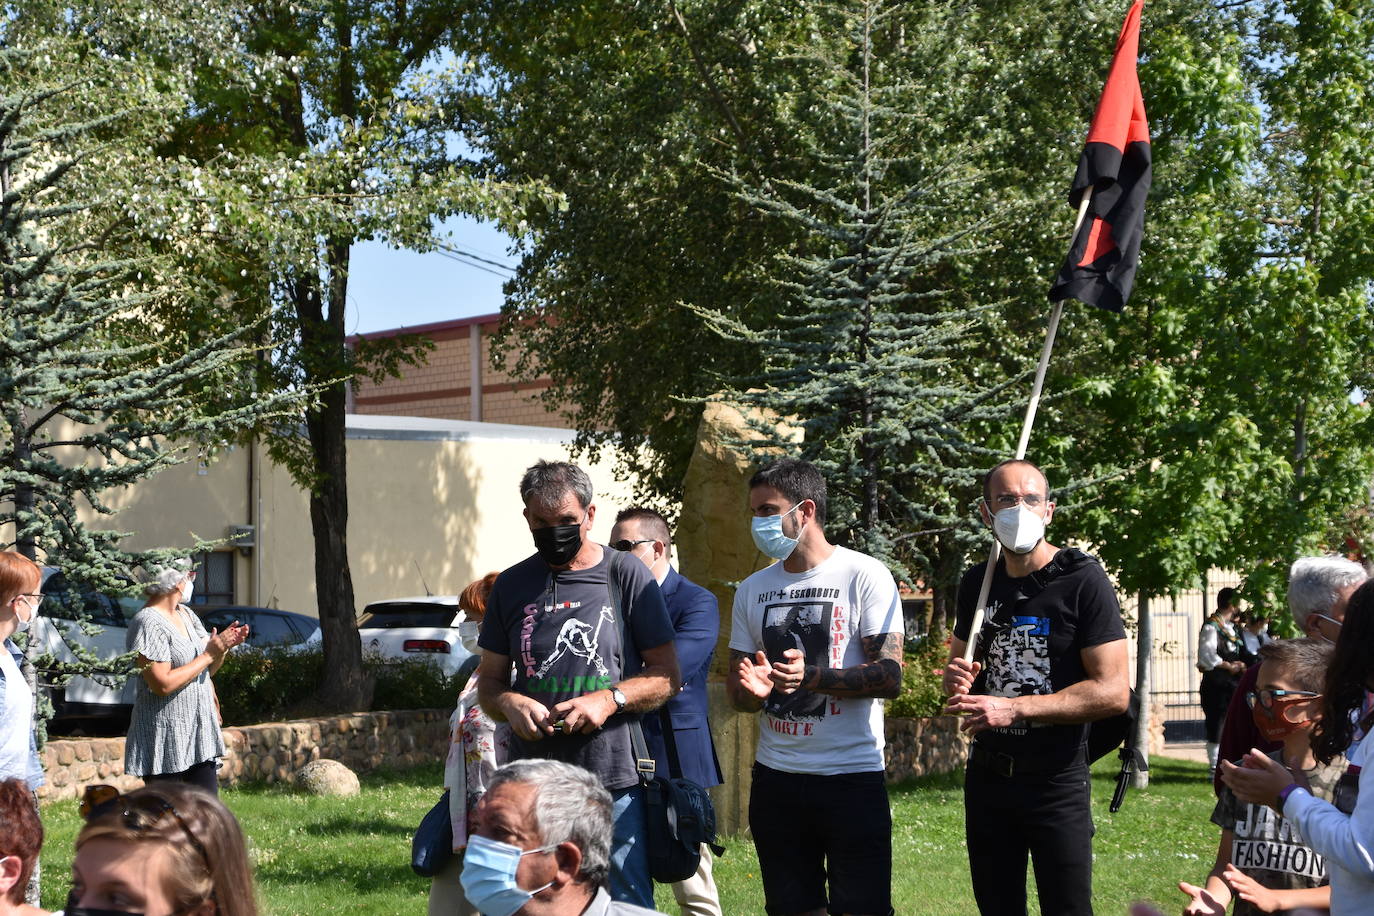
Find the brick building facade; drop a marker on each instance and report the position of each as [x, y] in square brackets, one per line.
[458, 382]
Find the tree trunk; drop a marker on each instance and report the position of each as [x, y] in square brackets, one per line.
[867, 449]
[322, 342]
[1300, 442]
[322, 351]
[944, 587]
[1144, 643]
[939, 616]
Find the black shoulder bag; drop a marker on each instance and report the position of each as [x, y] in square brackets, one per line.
[679, 815]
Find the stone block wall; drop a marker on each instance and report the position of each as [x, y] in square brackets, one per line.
[924, 747]
[271, 752]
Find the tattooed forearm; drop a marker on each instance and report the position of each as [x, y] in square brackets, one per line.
[879, 676]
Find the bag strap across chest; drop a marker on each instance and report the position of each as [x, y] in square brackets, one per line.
[644, 762]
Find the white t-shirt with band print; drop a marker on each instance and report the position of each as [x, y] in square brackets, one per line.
[825, 612]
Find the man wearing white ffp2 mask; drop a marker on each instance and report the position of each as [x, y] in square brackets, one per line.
[1052, 658]
[1019, 515]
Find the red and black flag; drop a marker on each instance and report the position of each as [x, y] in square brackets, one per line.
[1115, 164]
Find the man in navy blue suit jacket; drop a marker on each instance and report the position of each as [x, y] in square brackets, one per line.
[696, 622]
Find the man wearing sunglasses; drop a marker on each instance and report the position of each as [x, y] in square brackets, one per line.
[644, 534]
[1319, 588]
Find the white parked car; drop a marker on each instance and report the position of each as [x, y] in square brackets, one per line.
[101, 696]
[425, 627]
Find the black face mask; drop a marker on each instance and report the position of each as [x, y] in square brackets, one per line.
[558, 544]
[71, 909]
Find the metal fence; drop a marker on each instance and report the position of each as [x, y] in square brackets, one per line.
[1174, 677]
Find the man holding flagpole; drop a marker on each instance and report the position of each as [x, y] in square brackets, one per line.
[1053, 658]
[1039, 649]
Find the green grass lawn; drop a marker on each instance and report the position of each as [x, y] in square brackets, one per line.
[319, 856]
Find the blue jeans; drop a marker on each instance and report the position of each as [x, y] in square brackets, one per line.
[630, 882]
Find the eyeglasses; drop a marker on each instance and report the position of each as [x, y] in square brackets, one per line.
[1006, 500]
[140, 813]
[1266, 698]
[1331, 620]
[625, 545]
[37, 598]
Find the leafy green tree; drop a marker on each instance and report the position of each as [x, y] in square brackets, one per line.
[691, 102]
[633, 112]
[1230, 388]
[341, 131]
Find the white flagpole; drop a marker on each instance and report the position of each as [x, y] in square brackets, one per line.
[996, 552]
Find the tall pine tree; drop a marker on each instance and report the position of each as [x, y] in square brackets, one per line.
[875, 356]
[95, 394]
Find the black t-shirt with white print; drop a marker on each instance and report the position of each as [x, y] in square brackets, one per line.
[1033, 635]
[559, 630]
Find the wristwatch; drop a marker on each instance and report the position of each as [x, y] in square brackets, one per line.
[619, 700]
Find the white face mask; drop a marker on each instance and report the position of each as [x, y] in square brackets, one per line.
[187, 588]
[21, 623]
[468, 631]
[1019, 528]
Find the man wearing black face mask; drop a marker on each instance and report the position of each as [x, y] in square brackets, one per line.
[576, 683]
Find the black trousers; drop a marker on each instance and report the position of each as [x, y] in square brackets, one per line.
[822, 841]
[1047, 817]
[1216, 697]
[204, 775]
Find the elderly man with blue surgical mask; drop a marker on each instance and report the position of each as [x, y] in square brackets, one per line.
[541, 844]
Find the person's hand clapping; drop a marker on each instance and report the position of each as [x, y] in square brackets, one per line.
[221, 642]
[1258, 780]
[236, 634]
[755, 675]
[787, 675]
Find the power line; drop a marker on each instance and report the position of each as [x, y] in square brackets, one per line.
[463, 259]
[468, 254]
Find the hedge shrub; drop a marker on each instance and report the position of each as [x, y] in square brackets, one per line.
[265, 685]
[922, 693]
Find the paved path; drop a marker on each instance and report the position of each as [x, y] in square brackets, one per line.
[1192, 750]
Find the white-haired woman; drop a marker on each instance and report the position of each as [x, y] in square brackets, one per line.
[175, 730]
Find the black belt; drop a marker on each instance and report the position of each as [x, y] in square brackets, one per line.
[1009, 765]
